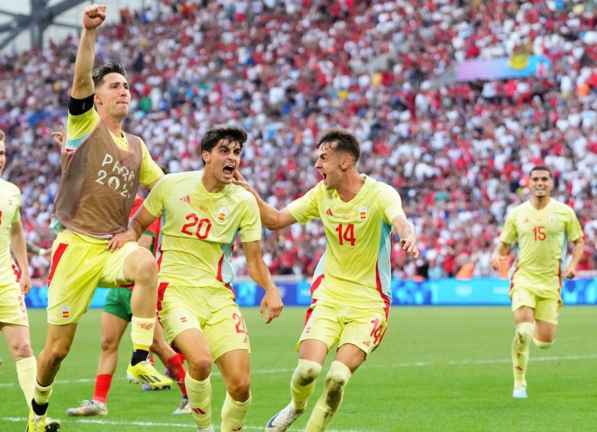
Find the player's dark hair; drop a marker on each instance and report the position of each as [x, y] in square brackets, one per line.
[229, 134]
[2, 135]
[105, 69]
[542, 168]
[345, 141]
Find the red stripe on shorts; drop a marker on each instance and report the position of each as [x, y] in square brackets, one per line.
[314, 286]
[55, 260]
[512, 280]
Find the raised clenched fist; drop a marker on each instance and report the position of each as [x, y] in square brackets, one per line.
[94, 16]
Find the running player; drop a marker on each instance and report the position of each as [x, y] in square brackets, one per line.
[102, 168]
[202, 213]
[351, 286]
[542, 228]
[14, 323]
[116, 316]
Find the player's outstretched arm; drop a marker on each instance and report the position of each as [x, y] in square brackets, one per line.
[579, 248]
[499, 254]
[408, 237]
[137, 226]
[93, 17]
[271, 218]
[261, 275]
[36, 250]
[19, 248]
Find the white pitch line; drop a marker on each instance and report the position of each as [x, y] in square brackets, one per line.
[415, 364]
[151, 424]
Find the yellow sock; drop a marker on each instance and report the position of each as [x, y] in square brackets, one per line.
[26, 371]
[303, 382]
[234, 414]
[142, 332]
[200, 398]
[42, 394]
[331, 398]
[520, 352]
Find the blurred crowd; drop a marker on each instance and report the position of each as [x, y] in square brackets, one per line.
[459, 153]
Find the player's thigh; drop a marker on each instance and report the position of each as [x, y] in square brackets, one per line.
[119, 269]
[546, 319]
[192, 344]
[74, 276]
[323, 324]
[524, 303]
[363, 329]
[226, 331]
[12, 306]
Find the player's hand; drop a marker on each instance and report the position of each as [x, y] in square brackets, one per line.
[59, 137]
[46, 253]
[570, 272]
[496, 260]
[25, 284]
[94, 16]
[273, 302]
[120, 239]
[409, 245]
[239, 180]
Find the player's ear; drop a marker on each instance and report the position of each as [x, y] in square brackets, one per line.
[96, 99]
[205, 155]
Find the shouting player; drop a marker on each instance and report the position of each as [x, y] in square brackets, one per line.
[351, 286]
[542, 228]
[202, 214]
[102, 168]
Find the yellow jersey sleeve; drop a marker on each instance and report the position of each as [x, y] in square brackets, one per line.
[154, 203]
[150, 171]
[79, 127]
[509, 233]
[250, 223]
[390, 202]
[306, 207]
[573, 228]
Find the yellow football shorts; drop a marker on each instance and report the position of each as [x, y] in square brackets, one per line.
[364, 328]
[212, 311]
[12, 305]
[78, 267]
[546, 309]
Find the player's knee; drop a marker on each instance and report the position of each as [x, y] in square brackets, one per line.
[524, 332]
[543, 344]
[57, 353]
[146, 267]
[199, 368]
[306, 372]
[21, 349]
[240, 388]
[109, 344]
[335, 383]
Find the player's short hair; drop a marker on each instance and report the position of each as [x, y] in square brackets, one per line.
[227, 133]
[2, 135]
[542, 168]
[105, 69]
[345, 141]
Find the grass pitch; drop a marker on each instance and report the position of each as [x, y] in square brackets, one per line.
[438, 370]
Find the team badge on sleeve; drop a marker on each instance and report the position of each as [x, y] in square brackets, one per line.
[363, 213]
[222, 214]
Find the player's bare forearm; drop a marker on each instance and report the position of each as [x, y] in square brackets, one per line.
[83, 82]
[31, 248]
[261, 275]
[19, 248]
[499, 254]
[93, 17]
[408, 236]
[579, 248]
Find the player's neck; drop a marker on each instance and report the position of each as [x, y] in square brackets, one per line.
[210, 183]
[113, 124]
[540, 202]
[351, 186]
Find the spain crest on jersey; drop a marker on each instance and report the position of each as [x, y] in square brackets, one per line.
[363, 213]
[552, 219]
[222, 214]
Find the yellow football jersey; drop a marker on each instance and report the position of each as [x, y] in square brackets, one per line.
[542, 237]
[355, 269]
[199, 229]
[10, 202]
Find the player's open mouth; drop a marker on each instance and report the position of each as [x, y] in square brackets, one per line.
[228, 169]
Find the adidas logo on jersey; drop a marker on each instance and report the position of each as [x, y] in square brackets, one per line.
[329, 212]
[186, 199]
